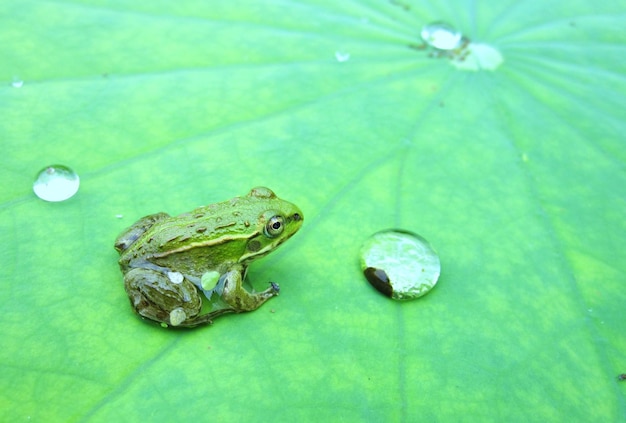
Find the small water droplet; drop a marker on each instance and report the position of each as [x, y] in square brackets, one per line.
[342, 56]
[478, 56]
[17, 83]
[56, 183]
[400, 264]
[209, 280]
[175, 277]
[177, 316]
[119, 216]
[447, 42]
[442, 36]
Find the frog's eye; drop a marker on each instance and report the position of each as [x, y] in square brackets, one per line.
[274, 226]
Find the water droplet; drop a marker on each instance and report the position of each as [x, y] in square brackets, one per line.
[477, 56]
[177, 316]
[342, 56]
[447, 42]
[56, 183]
[175, 277]
[442, 36]
[209, 280]
[17, 83]
[400, 264]
[119, 216]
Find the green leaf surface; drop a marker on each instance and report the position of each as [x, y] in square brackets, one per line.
[516, 176]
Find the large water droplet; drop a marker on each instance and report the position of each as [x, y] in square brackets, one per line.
[56, 183]
[442, 36]
[400, 264]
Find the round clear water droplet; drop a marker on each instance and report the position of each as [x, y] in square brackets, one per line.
[56, 183]
[400, 264]
[442, 36]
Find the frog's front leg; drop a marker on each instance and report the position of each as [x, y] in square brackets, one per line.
[238, 297]
[155, 297]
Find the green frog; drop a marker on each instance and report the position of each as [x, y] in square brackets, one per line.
[167, 261]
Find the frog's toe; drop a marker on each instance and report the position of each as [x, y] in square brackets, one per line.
[275, 287]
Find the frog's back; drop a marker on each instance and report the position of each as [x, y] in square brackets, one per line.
[208, 237]
[129, 237]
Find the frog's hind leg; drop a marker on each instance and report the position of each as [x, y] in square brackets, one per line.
[236, 296]
[155, 297]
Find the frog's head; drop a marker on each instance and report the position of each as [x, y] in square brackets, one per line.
[276, 221]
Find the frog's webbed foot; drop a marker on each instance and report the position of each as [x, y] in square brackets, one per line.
[237, 297]
[155, 297]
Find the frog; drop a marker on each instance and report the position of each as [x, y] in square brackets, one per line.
[169, 262]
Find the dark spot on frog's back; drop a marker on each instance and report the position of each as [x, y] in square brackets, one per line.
[225, 225]
[254, 246]
[179, 238]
